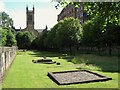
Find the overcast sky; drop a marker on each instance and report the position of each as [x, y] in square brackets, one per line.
[45, 12]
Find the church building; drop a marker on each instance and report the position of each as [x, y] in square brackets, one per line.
[30, 23]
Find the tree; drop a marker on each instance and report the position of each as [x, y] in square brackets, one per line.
[66, 33]
[6, 21]
[88, 37]
[35, 43]
[10, 39]
[0, 37]
[8, 34]
[3, 34]
[111, 36]
[24, 39]
[109, 11]
[69, 33]
[39, 42]
[92, 34]
[105, 19]
[49, 40]
[7, 37]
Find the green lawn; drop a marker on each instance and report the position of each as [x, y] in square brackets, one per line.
[25, 74]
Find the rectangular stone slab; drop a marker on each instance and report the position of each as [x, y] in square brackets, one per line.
[76, 76]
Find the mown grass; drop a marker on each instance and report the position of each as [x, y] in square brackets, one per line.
[25, 74]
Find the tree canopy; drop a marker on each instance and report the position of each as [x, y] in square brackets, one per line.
[7, 37]
[6, 31]
[69, 32]
[65, 33]
[6, 21]
[103, 27]
[24, 39]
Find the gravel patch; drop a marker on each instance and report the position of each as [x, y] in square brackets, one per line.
[71, 77]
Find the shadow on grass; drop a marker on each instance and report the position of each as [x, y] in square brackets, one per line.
[90, 61]
[45, 54]
[102, 63]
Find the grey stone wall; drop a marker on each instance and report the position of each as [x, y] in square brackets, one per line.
[7, 55]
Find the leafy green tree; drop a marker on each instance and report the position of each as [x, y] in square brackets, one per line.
[35, 43]
[2, 37]
[6, 21]
[38, 42]
[92, 34]
[7, 37]
[8, 34]
[111, 36]
[105, 19]
[10, 39]
[49, 40]
[24, 39]
[69, 33]
[88, 29]
[65, 33]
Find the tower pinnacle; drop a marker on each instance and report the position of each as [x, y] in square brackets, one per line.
[27, 8]
[33, 8]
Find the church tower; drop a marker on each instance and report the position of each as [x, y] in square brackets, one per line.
[30, 19]
[30, 23]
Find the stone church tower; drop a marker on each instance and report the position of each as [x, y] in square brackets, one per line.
[30, 18]
[30, 21]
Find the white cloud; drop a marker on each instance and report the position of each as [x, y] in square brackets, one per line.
[43, 17]
[2, 6]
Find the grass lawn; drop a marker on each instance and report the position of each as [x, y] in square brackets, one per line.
[25, 74]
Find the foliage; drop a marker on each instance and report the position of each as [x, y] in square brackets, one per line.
[69, 33]
[6, 20]
[38, 42]
[3, 36]
[49, 40]
[92, 33]
[8, 37]
[65, 33]
[35, 43]
[8, 34]
[24, 39]
[108, 10]
[103, 27]
[0, 37]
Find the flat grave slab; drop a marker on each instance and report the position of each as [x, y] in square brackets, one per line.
[76, 76]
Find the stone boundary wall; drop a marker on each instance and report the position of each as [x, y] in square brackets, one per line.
[7, 55]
